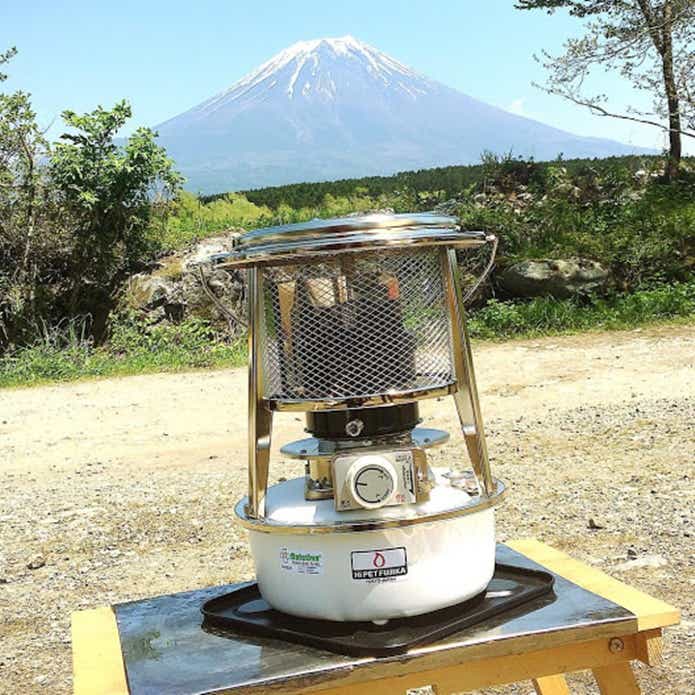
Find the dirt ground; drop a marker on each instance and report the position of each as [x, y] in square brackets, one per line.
[119, 489]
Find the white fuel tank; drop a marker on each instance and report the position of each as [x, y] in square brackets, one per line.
[375, 574]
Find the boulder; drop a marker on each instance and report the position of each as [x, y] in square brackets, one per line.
[544, 277]
[187, 284]
[447, 207]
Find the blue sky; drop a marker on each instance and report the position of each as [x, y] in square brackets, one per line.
[168, 56]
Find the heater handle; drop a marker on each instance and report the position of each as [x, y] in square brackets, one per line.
[490, 239]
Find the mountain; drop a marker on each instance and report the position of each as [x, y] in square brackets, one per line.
[338, 108]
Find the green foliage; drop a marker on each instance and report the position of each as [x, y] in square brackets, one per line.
[107, 193]
[68, 353]
[632, 221]
[544, 316]
[76, 218]
[192, 220]
[28, 233]
[6, 57]
[430, 185]
[414, 190]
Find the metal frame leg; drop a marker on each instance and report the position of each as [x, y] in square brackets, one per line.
[466, 396]
[260, 418]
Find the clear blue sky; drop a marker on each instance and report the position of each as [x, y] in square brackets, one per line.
[167, 56]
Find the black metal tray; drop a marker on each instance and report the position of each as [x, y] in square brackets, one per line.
[244, 610]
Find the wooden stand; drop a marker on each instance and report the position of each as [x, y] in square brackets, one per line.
[593, 622]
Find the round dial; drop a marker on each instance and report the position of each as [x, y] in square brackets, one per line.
[373, 481]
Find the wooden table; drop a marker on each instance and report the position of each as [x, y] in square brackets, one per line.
[591, 621]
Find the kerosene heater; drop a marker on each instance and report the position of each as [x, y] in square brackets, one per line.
[354, 321]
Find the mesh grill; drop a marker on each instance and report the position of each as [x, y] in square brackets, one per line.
[355, 326]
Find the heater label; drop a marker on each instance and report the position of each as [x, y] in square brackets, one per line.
[384, 564]
[301, 563]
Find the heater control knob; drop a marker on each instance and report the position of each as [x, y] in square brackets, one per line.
[372, 481]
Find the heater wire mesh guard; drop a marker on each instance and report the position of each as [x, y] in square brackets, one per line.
[356, 325]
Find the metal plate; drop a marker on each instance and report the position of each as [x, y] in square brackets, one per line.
[165, 650]
[313, 448]
[244, 611]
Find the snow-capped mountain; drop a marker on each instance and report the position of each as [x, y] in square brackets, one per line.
[337, 108]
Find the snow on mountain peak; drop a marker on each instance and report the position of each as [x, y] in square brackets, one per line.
[307, 68]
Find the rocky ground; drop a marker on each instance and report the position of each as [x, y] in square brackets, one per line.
[120, 489]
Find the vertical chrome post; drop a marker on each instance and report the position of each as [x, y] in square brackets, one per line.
[466, 396]
[260, 417]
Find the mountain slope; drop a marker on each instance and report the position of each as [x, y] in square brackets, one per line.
[336, 108]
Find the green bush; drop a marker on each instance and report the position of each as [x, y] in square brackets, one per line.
[642, 228]
[192, 220]
[545, 315]
[134, 346]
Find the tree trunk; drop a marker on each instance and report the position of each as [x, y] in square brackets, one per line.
[674, 116]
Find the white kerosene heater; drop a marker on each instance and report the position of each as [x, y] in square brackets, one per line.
[354, 321]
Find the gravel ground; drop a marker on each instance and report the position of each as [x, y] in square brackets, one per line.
[120, 489]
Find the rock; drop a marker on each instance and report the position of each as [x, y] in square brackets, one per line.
[237, 548]
[175, 290]
[595, 526]
[631, 553]
[447, 207]
[36, 562]
[150, 291]
[644, 561]
[562, 279]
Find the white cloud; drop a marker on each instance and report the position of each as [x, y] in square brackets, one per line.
[517, 107]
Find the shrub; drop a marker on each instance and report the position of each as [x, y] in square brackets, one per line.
[545, 315]
[134, 346]
[642, 228]
[75, 217]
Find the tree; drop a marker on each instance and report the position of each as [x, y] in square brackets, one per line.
[648, 42]
[75, 218]
[24, 207]
[106, 194]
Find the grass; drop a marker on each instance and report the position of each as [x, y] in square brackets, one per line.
[131, 349]
[134, 348]
[546, 316]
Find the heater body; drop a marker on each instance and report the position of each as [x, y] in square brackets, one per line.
[391, 572]
[354, 321]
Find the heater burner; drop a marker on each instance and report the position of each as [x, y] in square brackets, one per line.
[363, 423]
[355, 326]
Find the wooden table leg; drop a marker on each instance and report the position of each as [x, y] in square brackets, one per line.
[551, 685]
[616, 679]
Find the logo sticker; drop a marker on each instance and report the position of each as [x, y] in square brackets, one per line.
[301, 563]
[384, 564]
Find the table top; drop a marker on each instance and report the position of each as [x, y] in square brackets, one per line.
[164, 649]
